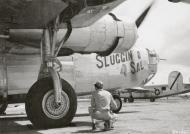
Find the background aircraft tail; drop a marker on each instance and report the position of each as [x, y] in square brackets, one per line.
[175, 81]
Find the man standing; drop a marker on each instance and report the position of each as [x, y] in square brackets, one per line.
[101, 103]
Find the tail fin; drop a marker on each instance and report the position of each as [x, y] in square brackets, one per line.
[175, 80]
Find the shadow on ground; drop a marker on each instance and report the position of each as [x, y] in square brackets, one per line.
[10, 125]
[90, 131]
[122, 112]
[79, 124]
[128, 112]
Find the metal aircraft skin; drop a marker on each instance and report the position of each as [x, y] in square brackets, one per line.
[37, 14]
[116, 71]
[33, 33]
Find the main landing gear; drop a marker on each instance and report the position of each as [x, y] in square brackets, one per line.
[152, 99]
[51, 102]
[131, 99]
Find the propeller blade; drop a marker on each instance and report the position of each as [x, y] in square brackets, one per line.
[142, 16]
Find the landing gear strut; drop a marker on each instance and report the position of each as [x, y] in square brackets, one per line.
[51, 102]
[125, 100]
[130, 99]
[49, 50]
[152, 99]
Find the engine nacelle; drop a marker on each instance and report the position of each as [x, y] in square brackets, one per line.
[103, 37]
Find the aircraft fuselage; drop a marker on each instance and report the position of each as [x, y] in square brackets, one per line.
[19, 70]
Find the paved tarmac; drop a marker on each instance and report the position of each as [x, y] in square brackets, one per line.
[164, 116]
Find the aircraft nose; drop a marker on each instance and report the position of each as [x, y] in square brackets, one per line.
[158, 58]
[153, 57]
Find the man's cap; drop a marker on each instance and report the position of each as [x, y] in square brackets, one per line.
[99, 84]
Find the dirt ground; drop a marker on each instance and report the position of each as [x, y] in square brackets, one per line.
[165, 116]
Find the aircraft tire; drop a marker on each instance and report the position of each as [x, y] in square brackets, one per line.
[41, 108]
[118, 102]
[3, 107]
[152, 99]
[130, 99]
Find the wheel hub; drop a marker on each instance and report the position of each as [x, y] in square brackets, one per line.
[52, 109]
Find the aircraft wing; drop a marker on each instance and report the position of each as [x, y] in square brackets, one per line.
[36, 14]
[91, 13]
[135, 89]
[155, 86]
[28, 13]
[144, 89]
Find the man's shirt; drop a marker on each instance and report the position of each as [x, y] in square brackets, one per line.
[102, 100]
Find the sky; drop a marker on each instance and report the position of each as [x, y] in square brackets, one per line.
[165, 29]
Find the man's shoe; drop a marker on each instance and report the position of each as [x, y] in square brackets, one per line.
[111, 125]
[93, 126]
[107, 125]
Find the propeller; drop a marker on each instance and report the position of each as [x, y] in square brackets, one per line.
[143, 16]
[162, 59]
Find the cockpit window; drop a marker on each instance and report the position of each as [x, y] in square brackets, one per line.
[152, 54]
[163, 88]
[153, 57]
